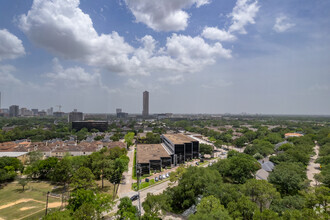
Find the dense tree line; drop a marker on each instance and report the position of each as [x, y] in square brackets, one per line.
[219, 194]
[9, 166]
[323, 138]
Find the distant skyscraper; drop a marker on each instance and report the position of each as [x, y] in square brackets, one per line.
[145, 111]
[13, 111]
[118, 110]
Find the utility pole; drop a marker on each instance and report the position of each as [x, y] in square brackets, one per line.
[47, 203]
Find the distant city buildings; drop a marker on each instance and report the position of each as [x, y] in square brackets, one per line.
[99, 125]
[50, 111]
[75, 116]
[35, 111]
[145, 111]
[121, 114]
[13, 111]
[59, 114]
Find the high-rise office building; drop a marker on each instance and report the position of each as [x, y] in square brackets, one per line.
[75, 116]
[118, 110]
[145, 111]
[13, 111]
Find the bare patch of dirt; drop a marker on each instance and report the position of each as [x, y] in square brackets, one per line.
[26, 208]
[54, 204]
[17, 202]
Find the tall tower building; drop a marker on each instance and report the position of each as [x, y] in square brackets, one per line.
[145, 111]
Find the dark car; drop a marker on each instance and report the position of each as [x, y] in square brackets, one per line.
[147, 180]
[160, 177]
[135, 197]
[156, 179]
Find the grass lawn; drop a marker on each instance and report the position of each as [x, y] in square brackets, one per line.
[144, 184]
[29, 204]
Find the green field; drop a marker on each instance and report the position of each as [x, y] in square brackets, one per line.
[30, 204]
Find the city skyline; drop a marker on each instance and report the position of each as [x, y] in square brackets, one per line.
[193, 56]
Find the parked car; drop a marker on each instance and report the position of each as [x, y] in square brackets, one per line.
[167, 175]
[135, 197]
[197, 163]
[164, 176]
[156, 179]
[147, 180]
[160, 177]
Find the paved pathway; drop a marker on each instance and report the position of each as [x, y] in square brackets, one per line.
[125, 187]
[313, 168]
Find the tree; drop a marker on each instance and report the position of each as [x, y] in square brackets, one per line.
[42, 169]
[177, 174]
[62, 174]
[244, 208]
[288, 178]
[237, 168]
[240, 142]
[194, 182]
[261, 192]
[100, 202]
[205, 149]
[129, 139]
[83, 178]
[126, 210]
[152, 207]
[85, 212]
[265, 215]
[114, 171]
[210, 208]
[23, 182]
[58, 215]
[34, 156]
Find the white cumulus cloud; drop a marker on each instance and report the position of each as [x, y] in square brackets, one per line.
[163, 15]
[6, 76]
[243, 13]
[176, 79]
[214, 33]
[10, 46]
[62, 28]
[282, 24]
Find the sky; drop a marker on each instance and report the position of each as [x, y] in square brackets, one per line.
[193, 56]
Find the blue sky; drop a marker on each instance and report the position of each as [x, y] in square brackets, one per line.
[193, 56]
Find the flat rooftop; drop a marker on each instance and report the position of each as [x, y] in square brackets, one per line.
[147, 152]
[178, 138]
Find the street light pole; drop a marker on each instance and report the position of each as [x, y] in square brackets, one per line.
[47, 203]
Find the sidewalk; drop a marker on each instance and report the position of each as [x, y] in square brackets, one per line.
[125, 186]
